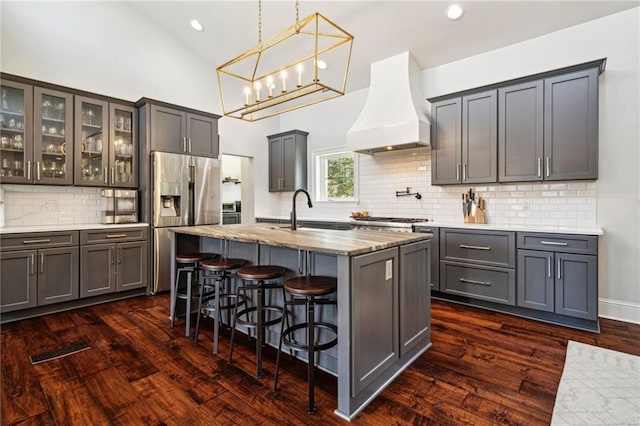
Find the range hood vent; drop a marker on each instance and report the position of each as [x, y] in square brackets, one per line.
[393, 115]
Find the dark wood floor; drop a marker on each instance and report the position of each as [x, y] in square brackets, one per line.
[483, 368]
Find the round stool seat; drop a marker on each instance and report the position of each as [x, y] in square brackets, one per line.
[311, 285]
[264, 272]
[193, 257]
[221, 264]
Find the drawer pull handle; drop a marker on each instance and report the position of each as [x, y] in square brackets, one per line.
[116, 235]
[46, 240]
[553, 243]
[465, 246]
[465, 280]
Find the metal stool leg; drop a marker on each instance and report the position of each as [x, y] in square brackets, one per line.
[188, 303]
[195, 334]
[259, 329]
[216, 320]
[311, 353]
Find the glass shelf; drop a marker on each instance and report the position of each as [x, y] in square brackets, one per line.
[12, 150]
[53, 135]
[17, 114]
[55, 120]
[12, 130]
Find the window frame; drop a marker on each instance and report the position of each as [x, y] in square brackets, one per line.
[319, 162]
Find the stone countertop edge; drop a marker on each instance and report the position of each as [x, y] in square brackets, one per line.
[76, 227]
[328, 241]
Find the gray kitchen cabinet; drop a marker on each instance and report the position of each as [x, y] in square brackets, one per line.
[91, 156]
[415, 303]
[478, 264]
[446, 140]
[520, 132]
[123, 146]
[171, 128]
[571, 126]
[113, 260]
[435, 254]
[16, 131]
[479, 137]
[558, 273]
[231, 218]
[464, 139]
[288, 161]
[374, 316]
[18, 282]
[38, 269]
[57, 275]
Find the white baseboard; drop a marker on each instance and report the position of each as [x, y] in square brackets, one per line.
[618, 310]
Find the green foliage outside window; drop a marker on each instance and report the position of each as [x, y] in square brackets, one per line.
[339, 177]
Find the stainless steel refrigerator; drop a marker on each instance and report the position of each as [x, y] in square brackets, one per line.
[185, 191]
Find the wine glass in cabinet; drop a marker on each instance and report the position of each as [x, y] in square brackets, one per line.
[16, 132]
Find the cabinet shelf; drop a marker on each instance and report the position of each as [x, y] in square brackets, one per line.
[123, 131]
[11, 130]
[53, 135]
[16, 114]
[55, 120]
[54, 154]
[92, 126]
[12, 150]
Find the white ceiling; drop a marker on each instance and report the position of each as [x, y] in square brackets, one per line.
[381, 28]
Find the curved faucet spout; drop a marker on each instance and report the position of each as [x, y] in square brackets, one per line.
[294, 225]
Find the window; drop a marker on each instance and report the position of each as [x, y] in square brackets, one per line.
[336, 176]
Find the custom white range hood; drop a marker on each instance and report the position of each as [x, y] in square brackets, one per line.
[393, 115]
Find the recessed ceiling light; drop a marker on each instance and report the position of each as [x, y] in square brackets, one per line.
[454, 12]
[196, 25]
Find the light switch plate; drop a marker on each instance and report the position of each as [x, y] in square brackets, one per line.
[388, 274]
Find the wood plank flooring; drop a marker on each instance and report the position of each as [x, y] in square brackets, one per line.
[484, 369]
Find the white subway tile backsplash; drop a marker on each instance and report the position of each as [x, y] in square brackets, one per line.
[534, 203]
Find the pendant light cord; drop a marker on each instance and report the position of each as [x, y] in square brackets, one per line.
[259, 22]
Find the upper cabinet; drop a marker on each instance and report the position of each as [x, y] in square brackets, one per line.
[463, 142]
[16, 132]
[57, 136]
[180, 130]
[288, 161]
[106, 144]
[537, 128]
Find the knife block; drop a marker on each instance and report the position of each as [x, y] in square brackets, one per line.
[475, 215]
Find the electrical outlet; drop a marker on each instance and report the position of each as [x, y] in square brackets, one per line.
[49, 204]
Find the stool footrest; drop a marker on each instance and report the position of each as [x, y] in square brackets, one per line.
[253, 324]
[299, 347]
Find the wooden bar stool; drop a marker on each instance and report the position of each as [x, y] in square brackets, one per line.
[187, 264]
[215, 273]
[306, 290]
[258, 279]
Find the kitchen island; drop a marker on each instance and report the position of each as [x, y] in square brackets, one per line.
[383, 303]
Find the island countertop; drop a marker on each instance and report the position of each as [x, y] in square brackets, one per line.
[347, 243]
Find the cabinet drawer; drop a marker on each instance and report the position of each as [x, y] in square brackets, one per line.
[113, 235]
[493, 248]
[39, 240]
[582, 244]
[479, 282]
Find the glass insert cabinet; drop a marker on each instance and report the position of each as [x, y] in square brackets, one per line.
[55, 137]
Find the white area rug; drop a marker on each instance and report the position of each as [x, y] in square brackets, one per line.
[598, 387]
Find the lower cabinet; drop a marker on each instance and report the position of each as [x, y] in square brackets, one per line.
[415, 312]
[38, 269]
[114, 266]
[563, 283]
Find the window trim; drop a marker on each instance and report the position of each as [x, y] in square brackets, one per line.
[318, 181]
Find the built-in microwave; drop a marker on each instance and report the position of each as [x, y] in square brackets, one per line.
[121, 206]
[228, 207]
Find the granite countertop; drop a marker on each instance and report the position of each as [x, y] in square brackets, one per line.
[74, 227]
[347, 243]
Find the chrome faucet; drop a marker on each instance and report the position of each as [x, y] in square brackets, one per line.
[293, 211]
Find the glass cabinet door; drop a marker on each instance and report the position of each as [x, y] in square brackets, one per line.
[16, 132]
[91, 132]
[53, 137]
[124, 147]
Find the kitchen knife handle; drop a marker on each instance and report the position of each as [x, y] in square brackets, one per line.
[549, 267]
[29, 170]
[189, 145]
[37, 170]
[106, 176]
[464, 172]
[184, 144]
[33, 261]
[539, 166]
[465, 280]
[548, 166]
[559, 269]
[465, 246]
[458, 172]
[113, 175]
